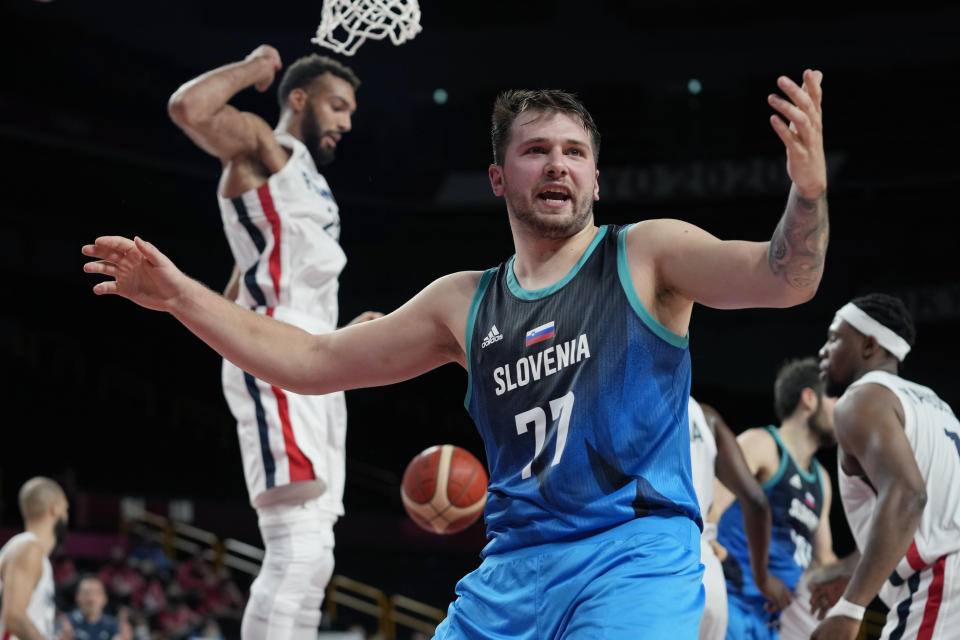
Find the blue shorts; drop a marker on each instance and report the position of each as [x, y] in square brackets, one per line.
[642, 579]
[748, 620]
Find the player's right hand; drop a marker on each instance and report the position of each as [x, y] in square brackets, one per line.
[140, 272]
[825, 593]
[271, 59]
[777, 594]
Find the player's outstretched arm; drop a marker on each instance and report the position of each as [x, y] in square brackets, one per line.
[734, 472]
[423, 334]
[869, 429]
[692, 265]
[21, 573]
[200, 108]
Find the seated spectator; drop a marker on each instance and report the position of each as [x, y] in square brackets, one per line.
[196, 576]
[209, 631]
[225, 600]
[177, 619]
[149, 596]
[88, 620]
[120, 579]
[143, 550]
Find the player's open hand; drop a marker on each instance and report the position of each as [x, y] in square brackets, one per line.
[803, 137]
[837, 628]
[271, 64]
[138, 270]
[777, 594]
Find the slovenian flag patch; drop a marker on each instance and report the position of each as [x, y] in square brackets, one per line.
[541, 333]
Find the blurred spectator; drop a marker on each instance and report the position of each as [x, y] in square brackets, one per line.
[209, 631]
[139, 626]
[120, 579]
[151, 550]
[149, 597]
[65, 578]
[225, 600]
[196, 576]
[177, 619]
[88, 619]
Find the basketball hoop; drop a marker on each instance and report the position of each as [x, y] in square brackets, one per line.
[346, 24]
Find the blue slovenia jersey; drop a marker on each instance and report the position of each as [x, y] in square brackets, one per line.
[580, 396]
[796, 502]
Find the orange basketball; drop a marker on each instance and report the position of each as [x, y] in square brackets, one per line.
[444, 489]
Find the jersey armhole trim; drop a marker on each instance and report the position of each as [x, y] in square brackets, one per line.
[626, 281]
[784, 456]
[471, 320]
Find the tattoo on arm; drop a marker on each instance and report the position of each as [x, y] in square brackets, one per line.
[799, 243]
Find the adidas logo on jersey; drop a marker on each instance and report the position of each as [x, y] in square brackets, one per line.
[795, 482]
[493, 335]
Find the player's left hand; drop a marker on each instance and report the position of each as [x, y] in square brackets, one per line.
[366, 316]
[777, 594]
[836, 628]
[824, 594]
[803, 137]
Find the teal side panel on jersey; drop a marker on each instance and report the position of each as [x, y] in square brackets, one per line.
[623, 270]
[471, 318]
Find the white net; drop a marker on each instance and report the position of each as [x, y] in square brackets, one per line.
[346, 24]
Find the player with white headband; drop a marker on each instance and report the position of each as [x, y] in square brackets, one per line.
[899, 478]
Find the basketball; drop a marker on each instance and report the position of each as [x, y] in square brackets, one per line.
[444, 489]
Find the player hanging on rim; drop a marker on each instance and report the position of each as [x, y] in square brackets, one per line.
[283, 226]
[583, 404]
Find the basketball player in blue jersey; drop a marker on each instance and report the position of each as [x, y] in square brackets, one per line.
[799, 492]
[283, 225]
[578, 368]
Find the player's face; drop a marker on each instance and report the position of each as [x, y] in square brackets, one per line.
[327, 116]
[91, 597]
[839, 359]
[549, 174]
[821, 421]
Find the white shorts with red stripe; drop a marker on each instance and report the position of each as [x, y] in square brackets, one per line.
[293, 446]
[925, 605]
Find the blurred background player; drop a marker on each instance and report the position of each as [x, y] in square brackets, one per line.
[283, 226]
[715, 455]
[88, 620]
[28, 610]
[782, 460]
[899, 479]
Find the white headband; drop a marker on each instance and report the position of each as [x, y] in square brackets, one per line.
[866, 325]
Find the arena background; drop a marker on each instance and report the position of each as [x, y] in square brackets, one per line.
[116, 401]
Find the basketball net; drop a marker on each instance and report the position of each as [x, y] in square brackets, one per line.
[346, 24]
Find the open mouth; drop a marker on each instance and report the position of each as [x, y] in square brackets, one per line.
[554, 194]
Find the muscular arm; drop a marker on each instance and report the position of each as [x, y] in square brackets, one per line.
[735, 474]
[426, 332]
[823, 538]
[869, 427]
[199, 107]
[20, 575]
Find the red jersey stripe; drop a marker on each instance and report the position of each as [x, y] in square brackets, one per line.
[934, 598]
[266, 202]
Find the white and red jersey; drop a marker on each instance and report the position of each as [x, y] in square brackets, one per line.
[284, 238]
[41, 609]
[923, 591]
[703, 456]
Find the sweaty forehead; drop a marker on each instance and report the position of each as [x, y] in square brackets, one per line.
[329, 86]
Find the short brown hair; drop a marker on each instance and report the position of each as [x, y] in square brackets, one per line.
[792, 378]
[305, 70]
[510, 104]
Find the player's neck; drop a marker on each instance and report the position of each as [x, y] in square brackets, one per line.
[542, 262]
[44, 534]
[800, 440]
[889, 365]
